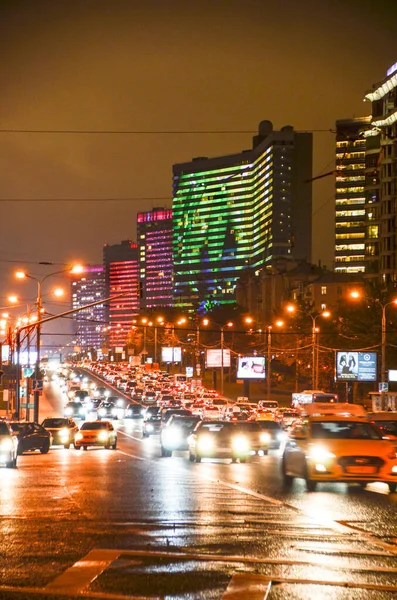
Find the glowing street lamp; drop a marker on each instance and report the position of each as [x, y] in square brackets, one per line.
[291, 308]
[357, 295]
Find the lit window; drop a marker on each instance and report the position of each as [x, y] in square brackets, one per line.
[323, 290]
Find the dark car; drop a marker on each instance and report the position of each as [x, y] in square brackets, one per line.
[133, 411]
[81, 396]
[151, 421]
[107, 410]
[62, 429]
[75, 410]
[273, 433]
[166, 414]
[8, 446]
[175, 433]
[31, 436]
[225, 439]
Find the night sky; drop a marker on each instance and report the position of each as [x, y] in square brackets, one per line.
[164, 66]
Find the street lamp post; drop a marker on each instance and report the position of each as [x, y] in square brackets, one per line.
[222, 343]
[325, 313]
[269, 328]
[22, 275]
[357, 295]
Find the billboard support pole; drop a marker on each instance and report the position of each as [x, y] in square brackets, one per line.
[269, 360]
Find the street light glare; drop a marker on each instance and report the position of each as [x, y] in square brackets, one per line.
[77, 269]
[13, 299]
[326, 313]
[355, 294]
[20, 274]
[290, 308]
[59, 292]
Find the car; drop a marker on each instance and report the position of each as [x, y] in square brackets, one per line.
[76, 410]
[107, 409]
[338, 443]
[151, 421]
[210, 411]
[226, 439]
[101, 392]
[268, 405]
[174, 435]
[133, 411]
[96, 433]
[274, 434]
[8, 446]
[31, 436]
[386, 421]
[166, 413]
[62, 430]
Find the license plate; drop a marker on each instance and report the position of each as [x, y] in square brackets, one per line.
[360, 470]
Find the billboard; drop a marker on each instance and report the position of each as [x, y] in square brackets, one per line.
[214, 358]
[170, 354]
[356, 366]
[251, 367]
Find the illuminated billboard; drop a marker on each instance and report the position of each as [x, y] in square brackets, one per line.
[214, 358]
[356, 366]
[251, 367]
[170, 354]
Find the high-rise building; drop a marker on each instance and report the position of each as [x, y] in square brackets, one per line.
[121, 264]
[87, 288]
[240, 211]
[381, 182]
[154, 234]
[350, 195]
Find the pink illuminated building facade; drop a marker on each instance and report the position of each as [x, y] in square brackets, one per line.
[154, 233]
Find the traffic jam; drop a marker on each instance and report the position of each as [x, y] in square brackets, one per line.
[321, 441]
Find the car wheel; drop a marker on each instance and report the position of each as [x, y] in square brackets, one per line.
[191, 457]
[115, 445]
[20, 451]
[11, 464]
[107, 446]
[363, 484]
[78, 447]
[45, 447]
[310, 484]
[165, 452]
[287, 479]
[66, 446]
[85, 448]
[144, 434]
[243, 460]
[197, 458]
[266, 451]
[392, 487]
[234, 459]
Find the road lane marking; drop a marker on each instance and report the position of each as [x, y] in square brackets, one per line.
[140, 440]
[84, 571]
[131, 455]
[243, 586]
[238, 586]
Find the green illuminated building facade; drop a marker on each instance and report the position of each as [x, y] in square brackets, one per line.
[240, 211]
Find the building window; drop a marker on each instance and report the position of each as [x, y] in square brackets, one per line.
[323, 306]
[323, 290]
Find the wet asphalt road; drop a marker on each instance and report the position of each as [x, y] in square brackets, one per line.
[112, 524]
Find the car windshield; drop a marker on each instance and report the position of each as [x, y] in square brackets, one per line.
[54, 422]
[216, 427]
[268, 425]
[17, 427]
[4, 429]
[387, 426]
[247, 426]
[94, 425]
[345, 430]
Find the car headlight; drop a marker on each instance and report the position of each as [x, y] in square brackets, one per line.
[205, 443]
[149, 427]
[320, 454]
[81, 411]
[128, 413]
[78, 436]
[103, 436]
[265, 438]
[102, 412]
[120, 402]
[114, 411]
[282, 436]
[6, 445]
[68, 411]
[64, 433]
[240, 444]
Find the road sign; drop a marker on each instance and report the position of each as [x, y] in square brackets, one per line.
[27, 371]
[37, 385]
[24, 405]
[383, 386]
